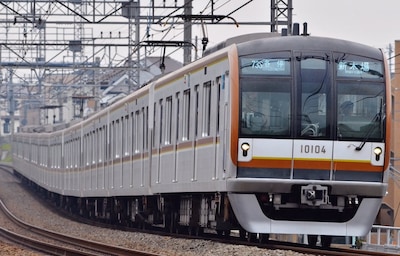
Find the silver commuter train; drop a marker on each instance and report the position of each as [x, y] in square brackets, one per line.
[254, 136]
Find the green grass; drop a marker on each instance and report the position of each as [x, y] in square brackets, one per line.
[6, 147]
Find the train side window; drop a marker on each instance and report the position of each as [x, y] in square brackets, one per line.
[136, 132]
[94, 147]
[218, 104]
[64, 154]
[86, 152]
[126, 136]
[168, 120]
[161, 123]
[154, 125]
[206, 109]
[87, 149]
[67, 156]
[117, 137]
[101, 144]
[133, 132]
[186, 115]
[178, 117]
[196, 109]
[108, 139]
[145, 127]
[113, 140]
[120, 133]
[104, 144]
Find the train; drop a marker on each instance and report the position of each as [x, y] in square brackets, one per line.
[267, 135]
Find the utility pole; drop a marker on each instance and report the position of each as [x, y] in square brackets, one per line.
[187, 34]
[281, 15]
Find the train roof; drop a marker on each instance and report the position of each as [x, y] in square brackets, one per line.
[307, 43]
[239, 39]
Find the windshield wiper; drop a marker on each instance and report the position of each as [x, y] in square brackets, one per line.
[377, 118]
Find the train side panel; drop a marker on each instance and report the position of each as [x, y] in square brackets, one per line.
[187, 155]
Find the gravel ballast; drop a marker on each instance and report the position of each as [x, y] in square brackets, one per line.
[30, 210]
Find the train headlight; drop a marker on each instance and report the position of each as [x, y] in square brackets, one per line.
[377, 152]
[245, 148]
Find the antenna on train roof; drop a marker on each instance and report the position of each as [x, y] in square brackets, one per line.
[305, 25]
[296, 30]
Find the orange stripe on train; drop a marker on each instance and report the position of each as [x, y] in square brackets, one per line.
[316, 165]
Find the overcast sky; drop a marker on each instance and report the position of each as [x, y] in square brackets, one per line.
[372, 22]
[376, 23]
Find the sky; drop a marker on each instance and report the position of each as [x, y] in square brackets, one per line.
[371, 22]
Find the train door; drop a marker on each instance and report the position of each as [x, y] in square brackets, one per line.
[312, 147]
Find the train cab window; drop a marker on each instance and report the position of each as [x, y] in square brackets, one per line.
[360, 97]
[265, 107]
[360, 110]
[265, 95]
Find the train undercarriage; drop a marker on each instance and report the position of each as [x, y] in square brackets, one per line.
[183, 213]
[191, 214]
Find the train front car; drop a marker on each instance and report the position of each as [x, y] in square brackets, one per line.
[312, 143]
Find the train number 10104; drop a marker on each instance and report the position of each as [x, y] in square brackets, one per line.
[312, 149]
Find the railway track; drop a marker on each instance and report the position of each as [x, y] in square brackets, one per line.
[53, 243]
[56, 244]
